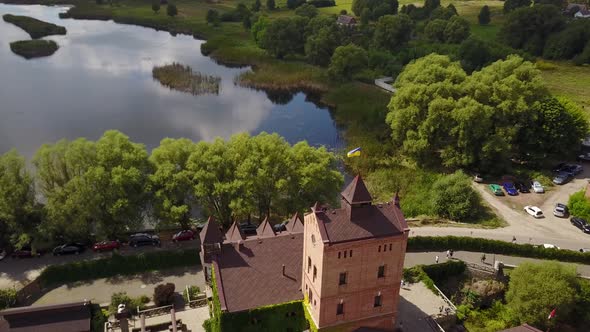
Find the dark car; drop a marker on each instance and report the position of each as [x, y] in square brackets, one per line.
[185, 235]
[558, 168]
[24, 252]
[510, 189]
[248, 228]
[106, 246]
[522, 187]
[280, 227]
[142, 239]
[581, 224]
[562, 178]
[573, 169]
[68, 248]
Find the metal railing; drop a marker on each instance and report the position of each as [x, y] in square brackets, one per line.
[159, 311]
[445, 298]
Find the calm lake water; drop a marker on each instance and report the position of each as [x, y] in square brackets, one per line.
[101, 79]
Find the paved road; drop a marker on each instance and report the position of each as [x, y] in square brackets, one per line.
[15, 272]
[526, 229]
[427, 258]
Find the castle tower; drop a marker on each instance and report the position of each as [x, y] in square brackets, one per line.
[353, 261]
[211, 240]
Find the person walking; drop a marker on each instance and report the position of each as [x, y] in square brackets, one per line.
[483, 258]
[448, 254]
[513, 239]
[451, 252]
[436, 259]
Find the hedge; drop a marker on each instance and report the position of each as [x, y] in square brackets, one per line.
[442, 243]
[7, 298]
[118, 265]
[429, 274]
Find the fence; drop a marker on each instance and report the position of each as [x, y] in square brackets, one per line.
[155, 311]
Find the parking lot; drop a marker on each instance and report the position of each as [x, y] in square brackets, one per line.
[15, 272]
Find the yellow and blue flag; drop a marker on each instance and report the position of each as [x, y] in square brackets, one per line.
[354, 153]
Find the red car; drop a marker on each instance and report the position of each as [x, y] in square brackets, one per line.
[106, 246]
[183, 236]
[24, 253]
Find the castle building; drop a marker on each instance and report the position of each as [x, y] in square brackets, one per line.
[347, 262]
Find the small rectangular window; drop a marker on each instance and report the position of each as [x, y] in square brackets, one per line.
[390, 247]
[339, 255]
[345, 254]
[381, 272]
[315, 273]
[379, 250]
[340, 309]
[377, 302]
[342, 279]
[384, 248]
[350, 254]
[308, 264]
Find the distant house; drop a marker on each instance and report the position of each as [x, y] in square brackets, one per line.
[582, 13]
[70, 317]
[346, 20]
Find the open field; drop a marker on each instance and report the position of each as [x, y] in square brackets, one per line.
[570, 81]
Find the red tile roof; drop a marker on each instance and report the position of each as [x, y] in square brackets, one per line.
[361, 222]
[211, 232]
[295, 225]
[265, 229]
[522, 328]
[70, 317]
[252, 276]
[357, 192]
[234, 234]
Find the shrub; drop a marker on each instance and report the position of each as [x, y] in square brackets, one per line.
[164, 294]
[441, 243]
[118, 265]
[156, 6]
[192, 291]
[484, 15]
[306, 10]
[7, 298]
[171, 10]
[98, 318]
[131, 304]
[579, 205]
[455, 199]
[347, 61]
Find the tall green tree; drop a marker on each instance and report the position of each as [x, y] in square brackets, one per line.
[347, 61]
[456, 30]
[484, 15]
[474, 54]
[392, 31]
[171, 182]
[319, 47]
[454, 198]
[156, 6]
[285, 36]
[307, 10]
[213, 17]
[435, 30]
[535, 290]
[171, 10]
[17, 199]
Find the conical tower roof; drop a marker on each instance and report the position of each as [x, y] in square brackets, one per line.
[265, 229]
[211, 233]
[234, 234]
[357, 192]
[295, 225]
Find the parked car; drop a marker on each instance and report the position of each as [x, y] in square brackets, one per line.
[584, 157]
[280, 227]
[248, 228]
[24, 252]
[562, 178]
[68, 248]
[185, 235]
[537, 187]
[143, 239]
[2, 254]
[558, 168]
[106, 246]
[560, 210]
[573, 169]
[550, 246]
[581, 223]
[585, 250]
[522, 187]
[478, 178]
[534, 211]
[510, 189]
[496, 189]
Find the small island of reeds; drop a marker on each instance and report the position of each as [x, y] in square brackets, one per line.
[34, 48]
[182, 78]
[34, 27]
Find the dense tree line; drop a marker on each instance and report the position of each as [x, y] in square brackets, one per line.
[108, 187]
[543, 30]
[442, 115]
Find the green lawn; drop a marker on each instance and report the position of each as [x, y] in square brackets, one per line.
[570, 81]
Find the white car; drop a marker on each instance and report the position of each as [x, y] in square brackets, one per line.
[560, 210]
[537, 187]
[550, 246]
[534, 211]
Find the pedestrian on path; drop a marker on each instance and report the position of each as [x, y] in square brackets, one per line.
[483, 258]
[436, 259]
[451, 253]
[513, 239]
[448, 254]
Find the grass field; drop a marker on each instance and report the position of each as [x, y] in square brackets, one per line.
[569, 81]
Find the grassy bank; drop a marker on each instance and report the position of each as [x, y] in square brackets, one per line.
[182, 78]
[29, 49]
[34, 27]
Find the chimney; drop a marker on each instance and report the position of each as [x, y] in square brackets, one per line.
[283, 269]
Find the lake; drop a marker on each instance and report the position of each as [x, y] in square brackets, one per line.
[101, 78]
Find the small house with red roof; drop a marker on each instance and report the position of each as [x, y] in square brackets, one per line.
[347, 262]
